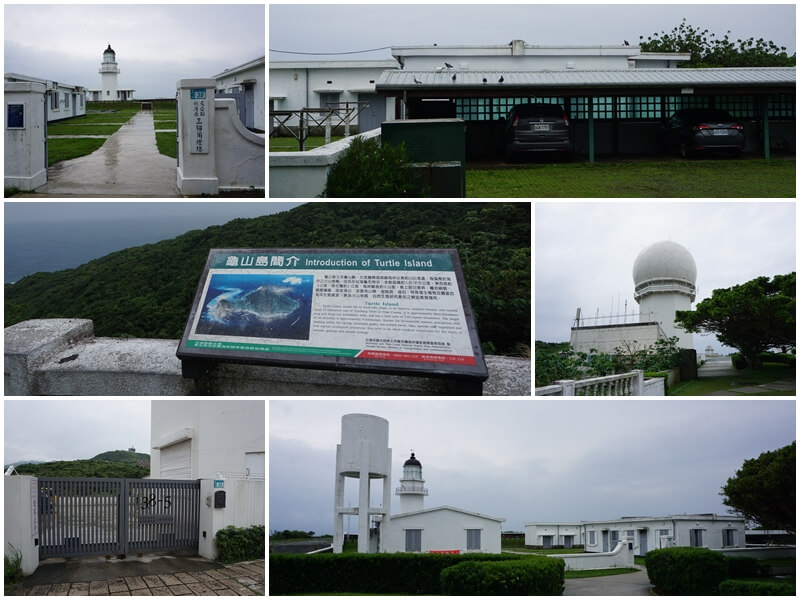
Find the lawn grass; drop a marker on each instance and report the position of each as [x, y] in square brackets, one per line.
[744, 378]
[652, 179]
[70, 129]
[167, 143]
[64, 149]
[597, 573]
[165, 124]
[289, 144]
[545, 552]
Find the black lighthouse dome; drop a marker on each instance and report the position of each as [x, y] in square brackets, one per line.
[108, 50]
[412, 462]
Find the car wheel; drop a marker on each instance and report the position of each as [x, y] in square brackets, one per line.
[685, 150]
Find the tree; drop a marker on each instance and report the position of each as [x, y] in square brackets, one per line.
[752, 317]
[763, 490]
[707, 51]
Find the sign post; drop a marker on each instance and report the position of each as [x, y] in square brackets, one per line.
[391, 311]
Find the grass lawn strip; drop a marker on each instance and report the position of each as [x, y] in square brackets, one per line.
[67, 148]
[598, 573]
[287, 144]
[745, 378]
[167, 143]
[70, 129]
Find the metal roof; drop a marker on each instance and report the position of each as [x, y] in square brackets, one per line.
[579, 78]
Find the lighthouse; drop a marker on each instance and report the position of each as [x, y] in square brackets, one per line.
[412, 490]
[109, 71]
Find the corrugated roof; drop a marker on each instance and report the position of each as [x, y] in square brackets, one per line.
[578, 78]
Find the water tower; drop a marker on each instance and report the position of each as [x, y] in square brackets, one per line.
[364, 454]
[664, 274]
[412, 490]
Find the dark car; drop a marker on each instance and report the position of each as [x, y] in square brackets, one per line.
[694, 130]
[538, 128]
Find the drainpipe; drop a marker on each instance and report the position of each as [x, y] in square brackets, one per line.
[307, 106]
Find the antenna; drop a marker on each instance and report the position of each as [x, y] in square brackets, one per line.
[10, 470]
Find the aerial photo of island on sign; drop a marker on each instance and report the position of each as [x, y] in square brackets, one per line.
[392, 310]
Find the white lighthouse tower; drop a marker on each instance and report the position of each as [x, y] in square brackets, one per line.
[664, 274]
[412, 490]
[109, 71]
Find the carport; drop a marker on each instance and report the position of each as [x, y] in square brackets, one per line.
[613, 111]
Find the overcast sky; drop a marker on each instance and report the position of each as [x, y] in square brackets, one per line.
[528, 460]
[371, 26]
[584, 253]
[155, 44]
[67, 429]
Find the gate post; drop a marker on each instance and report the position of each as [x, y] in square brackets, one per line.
[21, 520]
[197, 173]
[25, 135]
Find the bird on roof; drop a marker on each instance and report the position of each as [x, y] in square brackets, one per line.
[448, 65]
[416, 80]
[626, 42]
[453, 77]
[501, 80]
[484, 80]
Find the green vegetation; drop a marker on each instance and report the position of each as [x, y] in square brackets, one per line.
[83, 468]
[66, 148]
[768, 373]
[76, 129]
[532, 576]
[123, 456]
[290, 144]
[148, 291]
[290, 534]
[763, 489]
[167, 143]
[709, 52]
[397, 573]
[752, 317]
[598, 573]
[652, 179]
[369, 169]
[758, 587]
[237, 544]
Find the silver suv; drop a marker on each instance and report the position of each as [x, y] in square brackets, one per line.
[538, 128]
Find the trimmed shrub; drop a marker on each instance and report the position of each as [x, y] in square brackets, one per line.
[686, 571]
[775, 357]
[663, 374]
[533, 576]
[738, 361]
[236, 544]
[740, 567]
[767, 587]
[397, 573]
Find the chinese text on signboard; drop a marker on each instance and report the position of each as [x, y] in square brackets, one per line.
[199, 133]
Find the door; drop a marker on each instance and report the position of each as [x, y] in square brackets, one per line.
[642, 542]
[81, 517]
[568, 541]
[547, 542]
[176, 461]
[249, 98]
[605, 541]
[374, 114]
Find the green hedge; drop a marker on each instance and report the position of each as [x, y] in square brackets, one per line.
[397, 573]
[739, 587]
[686, 571]
[534, 576]
[740, 567]
[236, 544]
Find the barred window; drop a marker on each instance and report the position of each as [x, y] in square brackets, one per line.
[675, 103]
[639, 107]
[413, 540]
[728, 537]
[493, 109]
[473, 539]
[738, 106]
[602, 108]
[781, 106]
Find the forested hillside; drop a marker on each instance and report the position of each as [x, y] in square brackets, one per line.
[148, 291]
[123, 456]
[83, 468]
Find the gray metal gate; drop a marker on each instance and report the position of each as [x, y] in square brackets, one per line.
[116, 516]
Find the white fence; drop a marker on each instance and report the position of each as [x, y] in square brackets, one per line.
[620, 557]
[625, 384]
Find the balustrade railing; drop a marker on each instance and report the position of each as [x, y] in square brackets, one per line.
[625, 384]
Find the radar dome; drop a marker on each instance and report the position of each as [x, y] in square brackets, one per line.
[664, 260]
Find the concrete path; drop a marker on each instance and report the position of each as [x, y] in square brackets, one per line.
[721, 366]
[145, 576]
[128, 164]
[629, 584]
[716, 366]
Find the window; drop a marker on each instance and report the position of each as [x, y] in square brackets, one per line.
[673, 103]
[326, 98]
[602, 108]
[728, 537]
[66, 100]
[629, 533]
[473, 539]
[696, 538]
[639, 107]
[737, 106]
[591, 538]
[781, 106]
[662, 533]
[54, 100]
[413, 540]
[613, 538]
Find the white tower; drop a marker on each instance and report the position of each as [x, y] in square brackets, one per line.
[664, 274]
[412, 490]
[363, 454]
[109, 71]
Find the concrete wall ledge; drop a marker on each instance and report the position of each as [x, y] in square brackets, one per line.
[322, 156]
[62, 357]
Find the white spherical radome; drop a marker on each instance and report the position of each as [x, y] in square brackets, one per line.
[664, 260]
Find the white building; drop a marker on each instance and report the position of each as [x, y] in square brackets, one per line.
[364, 454]
[248, 79]
[710, 531]
[197, 439]
[109, 91]
[62, 100]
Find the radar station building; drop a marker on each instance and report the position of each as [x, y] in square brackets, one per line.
[664, 276]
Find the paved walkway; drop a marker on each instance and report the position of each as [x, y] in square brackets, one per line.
[128, 164]
[146, 576]
[721, 366]
[629, 584]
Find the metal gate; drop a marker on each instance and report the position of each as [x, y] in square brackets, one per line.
[80, 517]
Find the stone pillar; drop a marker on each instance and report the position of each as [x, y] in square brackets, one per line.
[21, 519]
[25, 164]
[197, 173]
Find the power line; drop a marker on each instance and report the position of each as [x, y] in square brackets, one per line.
[329, 53]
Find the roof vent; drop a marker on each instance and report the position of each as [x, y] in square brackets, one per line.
[517, 47]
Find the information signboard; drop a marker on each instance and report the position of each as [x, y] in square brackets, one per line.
[16, 116]
[399, 311]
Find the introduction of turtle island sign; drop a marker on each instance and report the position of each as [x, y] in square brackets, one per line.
[393, 309]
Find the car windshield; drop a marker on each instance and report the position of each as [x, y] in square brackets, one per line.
[708, 115]
[526, 111]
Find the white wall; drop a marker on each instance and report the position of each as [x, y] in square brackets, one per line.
[244, 507]
[663, 307]
[239, 153]
[535, 532]
[223, 431]
[619, 558]
[233, 78]
[605, 339]
[19, 523]
[25, 165]
[444, 529]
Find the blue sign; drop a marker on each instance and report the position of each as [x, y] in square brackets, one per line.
[219, 483]
[197, 94]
